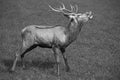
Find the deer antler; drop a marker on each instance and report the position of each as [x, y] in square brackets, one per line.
[57, 10]
[72, 7]
[63, 8]
[76, 8]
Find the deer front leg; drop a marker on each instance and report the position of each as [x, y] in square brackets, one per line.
[65, 59]
[66, 62]
[56, 54]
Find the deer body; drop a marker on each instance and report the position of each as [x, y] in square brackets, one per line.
[55, 37]
[44, 37]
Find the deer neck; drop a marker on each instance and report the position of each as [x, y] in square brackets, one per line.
[73, 29]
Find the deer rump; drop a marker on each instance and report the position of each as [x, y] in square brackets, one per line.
[43, 36]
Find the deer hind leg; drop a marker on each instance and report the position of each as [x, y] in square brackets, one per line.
[56, 54]
[16, 59]
[24, 52]
[28, 45]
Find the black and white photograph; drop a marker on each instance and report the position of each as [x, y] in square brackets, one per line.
[59, 39]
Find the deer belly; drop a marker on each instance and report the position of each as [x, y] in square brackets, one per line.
[48, 36]
[44, 37]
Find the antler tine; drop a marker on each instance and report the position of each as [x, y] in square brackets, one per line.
[76, 8]
[63, 8]
[71, 7]
[57, 10]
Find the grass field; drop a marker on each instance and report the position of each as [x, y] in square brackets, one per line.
[93, 56]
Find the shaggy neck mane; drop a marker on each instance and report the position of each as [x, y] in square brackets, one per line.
[73, 29]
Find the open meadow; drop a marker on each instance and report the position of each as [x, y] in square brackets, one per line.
[95, 55]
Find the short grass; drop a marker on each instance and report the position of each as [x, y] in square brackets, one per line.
[93, 56]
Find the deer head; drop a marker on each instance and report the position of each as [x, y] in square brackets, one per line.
[73, 13]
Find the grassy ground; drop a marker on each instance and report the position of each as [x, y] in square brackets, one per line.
[94, 56]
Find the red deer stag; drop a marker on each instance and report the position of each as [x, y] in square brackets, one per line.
[56, 38]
